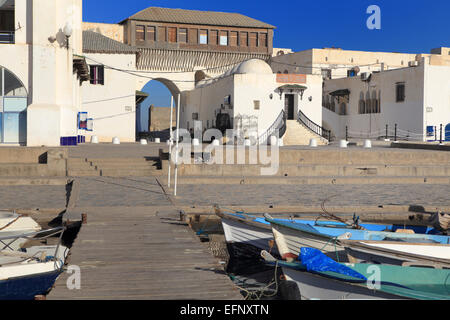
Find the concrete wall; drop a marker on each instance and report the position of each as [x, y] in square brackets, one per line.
[112, 105]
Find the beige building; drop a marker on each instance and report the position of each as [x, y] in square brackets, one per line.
[335, 63]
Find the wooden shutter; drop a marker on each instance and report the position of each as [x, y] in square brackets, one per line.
[182, 35]
[162, 34]
[140, 33]
[213, 37]
[243, 42]
[151, 33]
[233, 38]
[172, 34]
[263, 39]
[253, 41]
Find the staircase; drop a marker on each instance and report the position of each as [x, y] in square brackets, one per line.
[113, 167]
[299, 135]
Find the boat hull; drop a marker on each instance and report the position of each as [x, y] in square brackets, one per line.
[240, 235]
[27, 287]
[316, 287]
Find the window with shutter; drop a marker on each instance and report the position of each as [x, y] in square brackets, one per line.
[172, 34]
[151, 32]
[140, 33]
[162, 34]
[182, 35]
[233, 38]
[223, 41]
[243, 41]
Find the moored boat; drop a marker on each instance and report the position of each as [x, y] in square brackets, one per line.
[318, 277]
[379, 246]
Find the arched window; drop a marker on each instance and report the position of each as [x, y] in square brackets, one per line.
[13, 110]
[286, 71]
[343, 109]
[332, 104]
[374, 102]
[368, 103]
[362, 104]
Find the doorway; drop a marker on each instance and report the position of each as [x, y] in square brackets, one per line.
[289, 106]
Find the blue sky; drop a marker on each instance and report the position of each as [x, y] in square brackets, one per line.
[406, 26]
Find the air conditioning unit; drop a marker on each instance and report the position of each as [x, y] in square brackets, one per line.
[413, 63]
[365, 76]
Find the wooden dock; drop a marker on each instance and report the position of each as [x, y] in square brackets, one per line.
[142, 253]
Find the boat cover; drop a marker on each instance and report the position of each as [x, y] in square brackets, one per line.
[315, 261]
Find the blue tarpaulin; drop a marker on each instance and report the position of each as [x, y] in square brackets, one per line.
[315, 261]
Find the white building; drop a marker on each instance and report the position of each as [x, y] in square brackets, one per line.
[109, 98]
[40, 71]
[256, 100]
[413, 102]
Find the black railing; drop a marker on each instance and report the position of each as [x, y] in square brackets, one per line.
[6, 36]
[279, 124]
[314, 127]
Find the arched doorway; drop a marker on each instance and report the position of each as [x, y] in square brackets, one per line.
[13, 109]
[154, 111]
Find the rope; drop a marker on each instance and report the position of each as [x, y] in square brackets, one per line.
[10, 223]
[258, 294]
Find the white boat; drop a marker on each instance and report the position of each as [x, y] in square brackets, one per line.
[30, 272]
[13, 224]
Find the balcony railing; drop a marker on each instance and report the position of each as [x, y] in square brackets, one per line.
[6, 36]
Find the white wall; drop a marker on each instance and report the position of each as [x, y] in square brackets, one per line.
[437, 97]
[408, 115]
[112, 105]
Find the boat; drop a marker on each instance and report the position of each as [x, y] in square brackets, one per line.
[351, 245]
[13, 224]
[318, 277]
[29, 272]
[248, 234]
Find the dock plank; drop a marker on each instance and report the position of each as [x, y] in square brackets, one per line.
[147, 255]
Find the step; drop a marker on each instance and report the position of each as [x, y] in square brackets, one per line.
[128, 173]
[82, 173]
[314, 170]
[255, 180]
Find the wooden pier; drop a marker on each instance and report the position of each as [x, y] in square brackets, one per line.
[142, 253]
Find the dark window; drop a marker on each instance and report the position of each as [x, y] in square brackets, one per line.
[151, 32]
[243, 41]
[400, 92]
[182, 35]
[233, 38]
[162, 34]
[140, 33]
[263, 39]
[203, 36]
[253, 41]
[326, 73]
[213, 37]
[172, 34]
[97, 75]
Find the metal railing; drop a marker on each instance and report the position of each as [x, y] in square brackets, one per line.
[6, 36]
[314, 127]
[279, 124]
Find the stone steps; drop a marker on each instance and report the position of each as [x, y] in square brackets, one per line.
[316, 170]
[276, 180]
[298, 134]
[110, 172]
